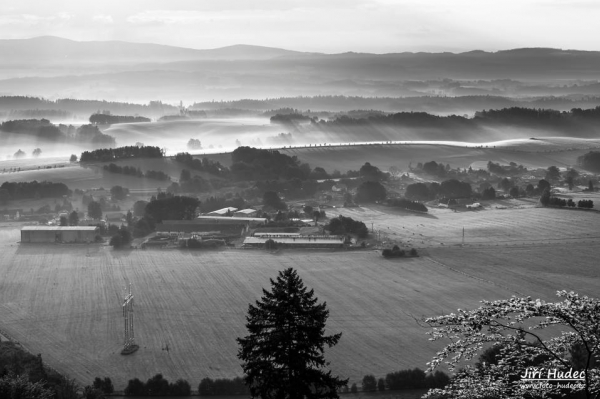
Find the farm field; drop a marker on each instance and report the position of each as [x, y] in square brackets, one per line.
[86, 177]
[63, 301]
[561, 152]
[500, 223]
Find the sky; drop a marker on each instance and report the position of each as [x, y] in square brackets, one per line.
[328, 26]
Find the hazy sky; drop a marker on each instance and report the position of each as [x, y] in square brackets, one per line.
[329, 26]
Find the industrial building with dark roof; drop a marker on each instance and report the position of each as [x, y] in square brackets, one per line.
[60, 234]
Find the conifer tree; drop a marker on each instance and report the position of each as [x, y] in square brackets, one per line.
[283, 354]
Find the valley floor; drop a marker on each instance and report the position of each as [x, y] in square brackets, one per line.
[64, 301]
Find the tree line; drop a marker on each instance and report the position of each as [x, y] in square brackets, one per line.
[452, 188]
[108, 119]
[112, 154]
[33, 190]
[157, 386]
[137, 172]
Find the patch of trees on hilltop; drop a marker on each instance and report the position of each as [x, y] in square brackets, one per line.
[590, 161]
[111, 154]
[257, 164]
[289, 119]
[108, 119]
[43, 129]
[34, 189]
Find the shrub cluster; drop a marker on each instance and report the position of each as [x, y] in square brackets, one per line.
[344, 225]
[370, 191]
[407, 204]
[585, 204]
[396, 252]
[157, 386]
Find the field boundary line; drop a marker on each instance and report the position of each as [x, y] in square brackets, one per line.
[429, 258]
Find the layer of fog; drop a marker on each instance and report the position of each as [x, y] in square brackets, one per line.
[224, 135]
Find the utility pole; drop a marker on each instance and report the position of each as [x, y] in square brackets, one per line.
[129, 345]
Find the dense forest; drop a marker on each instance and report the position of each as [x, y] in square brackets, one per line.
[156, 109]
[547, 118]
[433, 104]
[204, 164]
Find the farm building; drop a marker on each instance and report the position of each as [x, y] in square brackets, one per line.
[114, 217]
[267, 234]
[298, 241]
[222, 212]
[246, 213]
[192, 226]
[230, 220]
[40, 234]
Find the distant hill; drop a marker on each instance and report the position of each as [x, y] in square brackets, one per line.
[114, 70]
[55, 51]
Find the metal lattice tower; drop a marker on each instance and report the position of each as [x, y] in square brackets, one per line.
[129, 342]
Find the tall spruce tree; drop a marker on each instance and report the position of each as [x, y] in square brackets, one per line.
[283, 353]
